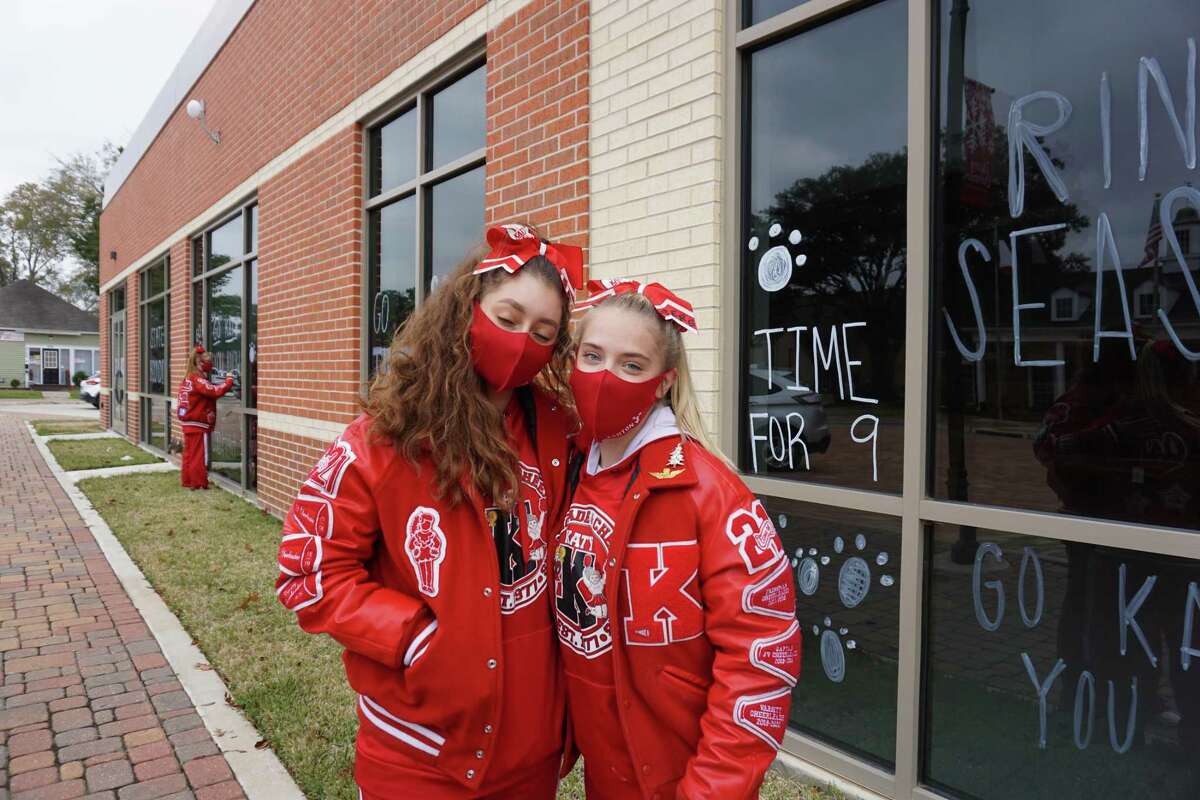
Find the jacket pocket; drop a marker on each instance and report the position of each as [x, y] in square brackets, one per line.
[397, 729]
[417, 650]
[684, 680]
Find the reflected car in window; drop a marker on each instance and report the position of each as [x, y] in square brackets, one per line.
[784, 399]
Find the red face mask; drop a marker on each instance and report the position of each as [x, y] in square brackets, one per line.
[609, 405]
[206, 366]
[505, 359]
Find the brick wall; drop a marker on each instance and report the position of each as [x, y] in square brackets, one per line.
[310, 283]
[537, 118]
[655, 162]
[288, 67]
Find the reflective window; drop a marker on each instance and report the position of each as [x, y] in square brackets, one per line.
[1058, 671]
[225, 321]
[823, 269]
[394, 153]
[846, 567]
[456, 221]
[1064, 314]
[154, 329]
[408, 196]
[755, 11]
[457, 112]
[226, 243]
[393, 234]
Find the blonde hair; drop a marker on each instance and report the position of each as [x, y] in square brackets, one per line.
[682, 397]
[193, 362]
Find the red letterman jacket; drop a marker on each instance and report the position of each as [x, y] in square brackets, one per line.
[703, 690]
[410, 587]
[197, 403]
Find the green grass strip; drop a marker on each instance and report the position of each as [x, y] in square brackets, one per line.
[97, 453]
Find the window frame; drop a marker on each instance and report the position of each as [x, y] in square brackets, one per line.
[416, 99]
[198, 244]
[915, 506]
[146, 399]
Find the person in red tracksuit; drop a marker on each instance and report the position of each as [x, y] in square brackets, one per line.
[197, 410]
[418, 541]
[675, 609]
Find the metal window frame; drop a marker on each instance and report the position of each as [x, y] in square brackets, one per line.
[121, 290]
[416, 99]
[915, 507]
[198, 282]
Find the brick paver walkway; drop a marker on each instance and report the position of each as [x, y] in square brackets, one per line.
[90, 706]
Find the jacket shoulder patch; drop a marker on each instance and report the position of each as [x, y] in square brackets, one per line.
[311, 515]
[326, 475]
[753, 533]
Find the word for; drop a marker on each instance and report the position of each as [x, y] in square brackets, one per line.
[1023, 136]
[1085, 686]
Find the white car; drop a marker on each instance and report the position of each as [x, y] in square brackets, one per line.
[89, 389]
[780, 400]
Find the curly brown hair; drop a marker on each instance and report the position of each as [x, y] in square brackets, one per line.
[430, 402]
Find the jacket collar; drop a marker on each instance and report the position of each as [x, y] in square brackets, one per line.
[664, 464]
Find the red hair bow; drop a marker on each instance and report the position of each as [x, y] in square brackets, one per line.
[670, 306]
[199, 349]
[513, 245]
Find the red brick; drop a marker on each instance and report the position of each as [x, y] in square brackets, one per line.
[228, 790]
[24, 743]
[156, 768]
[205, 771]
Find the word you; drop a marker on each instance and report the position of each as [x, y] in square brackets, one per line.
[1030, 573]
[1023, 136]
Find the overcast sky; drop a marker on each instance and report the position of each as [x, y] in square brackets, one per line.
[78, 72]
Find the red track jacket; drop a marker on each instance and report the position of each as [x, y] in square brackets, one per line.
[411, 588]
[197, 404]
[705, 645]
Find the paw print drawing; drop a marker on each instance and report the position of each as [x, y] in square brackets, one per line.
[775, 265]
[833, 652]
[855, 579]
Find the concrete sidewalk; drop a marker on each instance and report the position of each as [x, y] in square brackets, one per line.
[90, 706]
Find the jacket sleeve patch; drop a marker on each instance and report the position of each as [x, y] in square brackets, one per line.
[299, 554]
[326, 476]
[425, 545]
[779, 655]
[311, 515]
[773, 595]
[301, 591]
[764, 715]
[752, 532]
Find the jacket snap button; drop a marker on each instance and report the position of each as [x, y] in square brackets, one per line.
[479, 754]
[470, 774]
[645, 769]
[487, 591]
[487, 728]
[554, 461]
[637, 495]
[491, 663]
[554, 408]
[612, 562]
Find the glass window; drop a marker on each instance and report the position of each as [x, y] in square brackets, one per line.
[457, 113]
[158, 431]
[448, 210]
[394, 150]
[393, 232]
[84, 362]
[1098, 416]
[755, 11]
[456, 219]
[1039, 685]
[846, 568]
[197, 315]
[824, 254]
[225, 443]
[226, 243]
[154, 329]
[225, 327]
